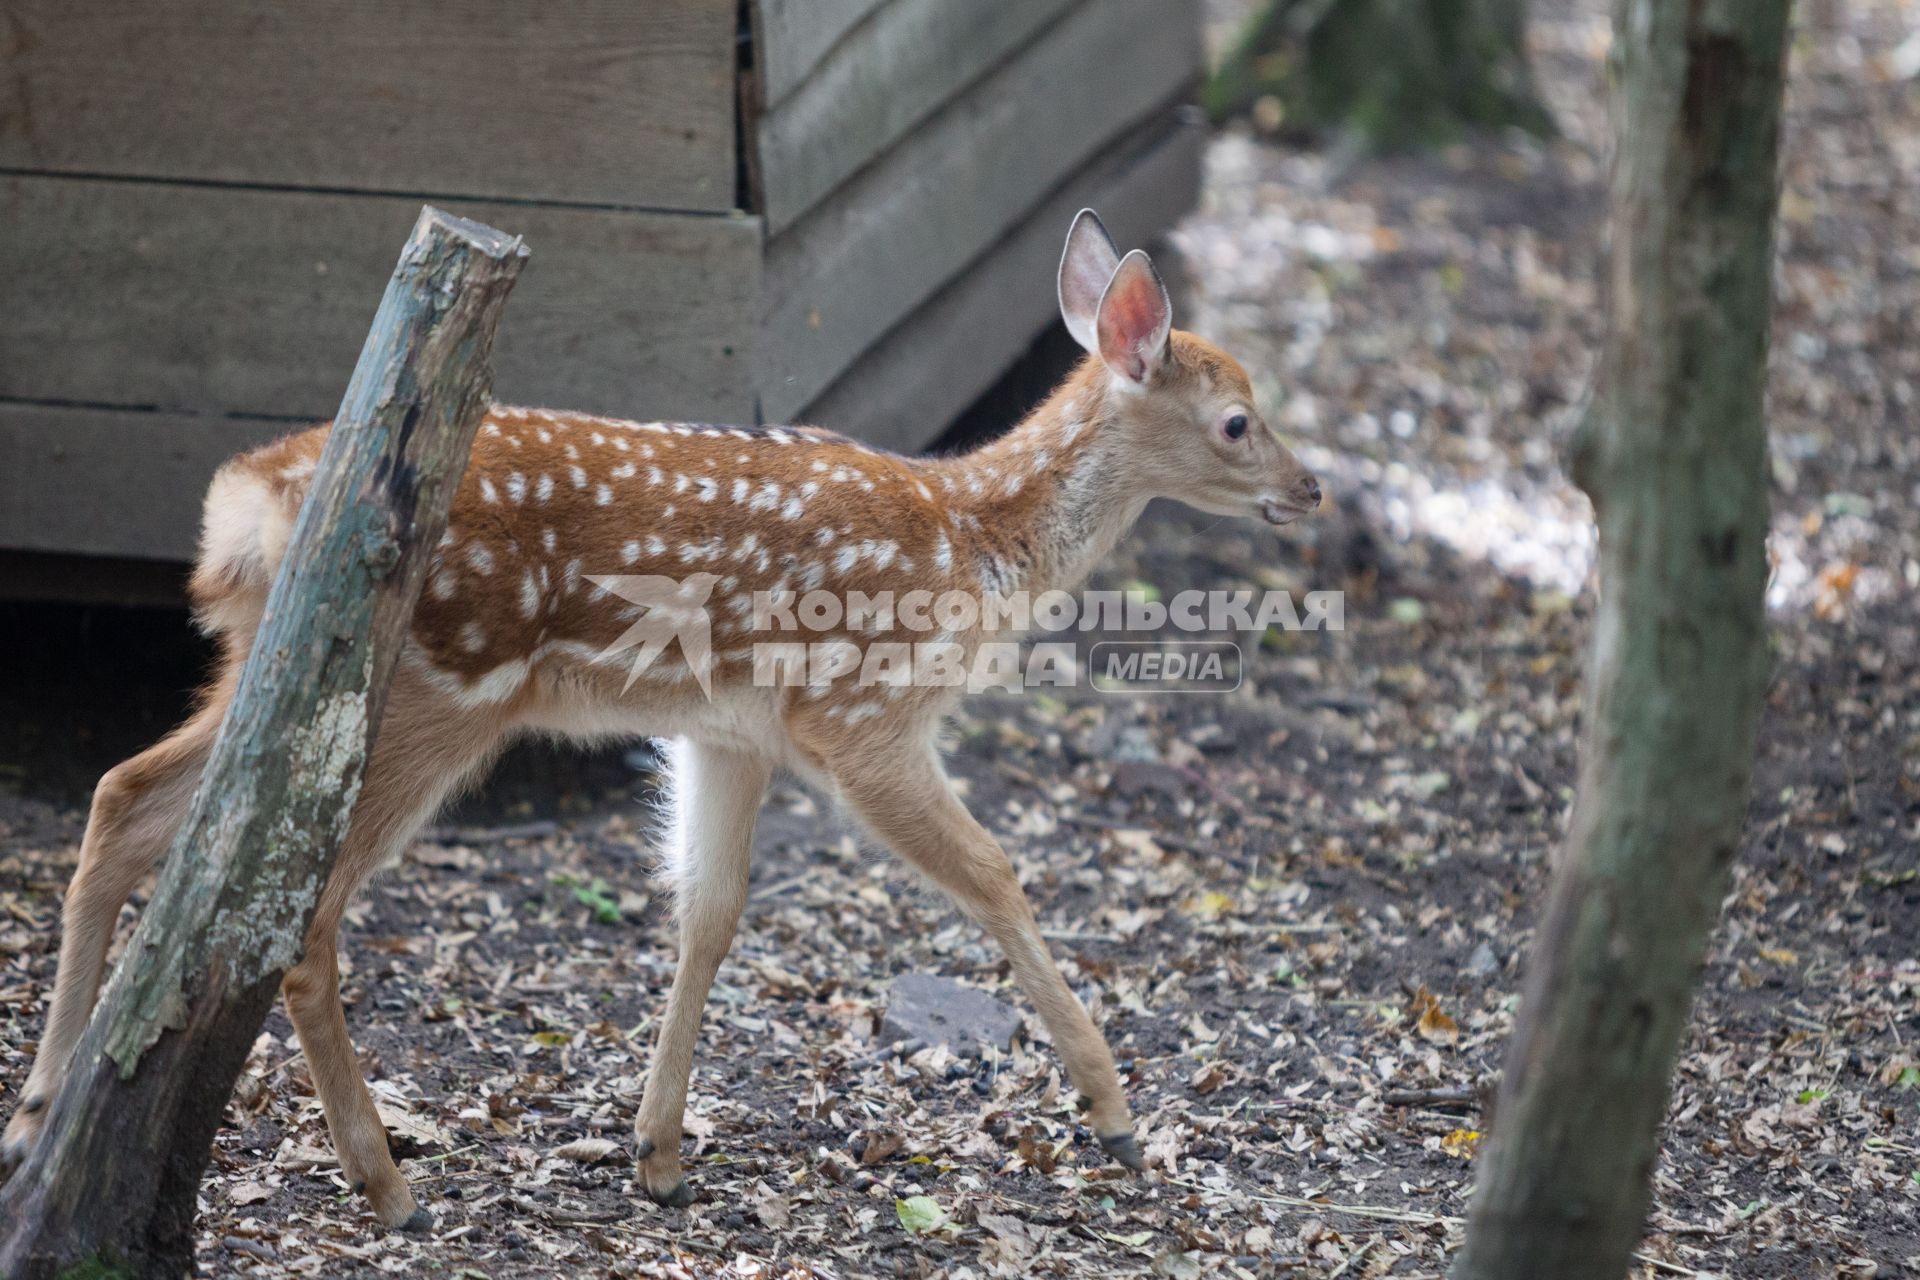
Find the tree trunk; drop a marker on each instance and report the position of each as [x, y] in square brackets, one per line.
[1393, 74]
[1673, 453]
[109, 1188]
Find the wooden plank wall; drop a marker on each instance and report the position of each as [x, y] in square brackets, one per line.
[594, 101]
[239, 301]
[106, 482]
[869, 90]
[202, 204]
[912, 383]
[904, 225]
[790, 37]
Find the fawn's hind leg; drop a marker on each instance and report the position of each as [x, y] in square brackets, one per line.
[900, 791]
[716, 797]
[137, 809]
[424, 752]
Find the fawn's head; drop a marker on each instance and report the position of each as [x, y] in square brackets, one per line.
[1184, 405]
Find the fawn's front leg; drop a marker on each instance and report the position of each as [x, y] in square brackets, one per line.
[901, 793]
[715, 798]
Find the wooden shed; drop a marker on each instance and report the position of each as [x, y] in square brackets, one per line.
[837, 211]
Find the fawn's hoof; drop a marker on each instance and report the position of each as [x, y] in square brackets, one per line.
[1125, 1149]
[664, 1186]
[21, 1133]
[678, 1196]
[419, 1223]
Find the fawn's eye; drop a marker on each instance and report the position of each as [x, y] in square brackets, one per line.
[1236, 426]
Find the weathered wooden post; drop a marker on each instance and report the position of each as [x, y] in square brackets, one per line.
[1673, 452]
[111, 1183]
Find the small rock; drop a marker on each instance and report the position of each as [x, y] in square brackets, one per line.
[238, 1244]
[1483, 963]
[938, 1010]
[1135, 778]
[1124, 743]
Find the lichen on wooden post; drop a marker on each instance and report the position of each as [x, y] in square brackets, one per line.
[1673, 453]
[111, 1182]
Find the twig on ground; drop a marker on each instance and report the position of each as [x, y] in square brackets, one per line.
[536, 830]
[1465, 1097]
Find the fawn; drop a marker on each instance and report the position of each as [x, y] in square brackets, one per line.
[515, 633]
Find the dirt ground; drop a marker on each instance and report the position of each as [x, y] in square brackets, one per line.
[1300, 910]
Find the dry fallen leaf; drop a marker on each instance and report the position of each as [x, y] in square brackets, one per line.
[1432, 1023]
[419, 1129]
[585, 1150]
[246, 1193]
[880, 1144]
[772, 1208]
[1210, 1077]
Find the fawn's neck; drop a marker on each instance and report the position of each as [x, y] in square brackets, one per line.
[1046, 502]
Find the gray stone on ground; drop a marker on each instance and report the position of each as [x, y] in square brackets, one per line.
[1483, 963]
[935, 1010]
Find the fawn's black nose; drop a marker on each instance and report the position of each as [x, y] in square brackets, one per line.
[1310, 491]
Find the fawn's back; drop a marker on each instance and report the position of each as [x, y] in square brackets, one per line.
[516, 613]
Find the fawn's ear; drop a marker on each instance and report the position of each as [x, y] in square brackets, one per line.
[1085, 268]
[1134, 319]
